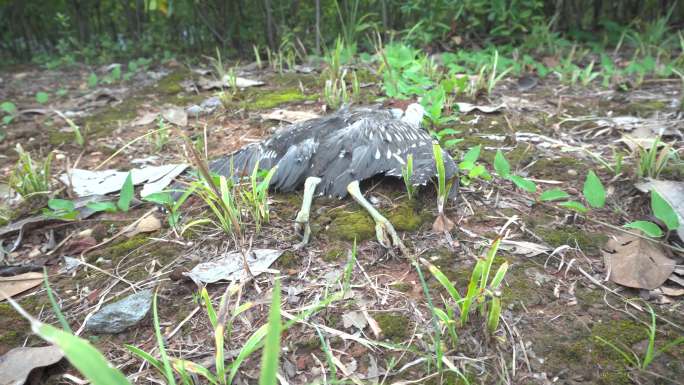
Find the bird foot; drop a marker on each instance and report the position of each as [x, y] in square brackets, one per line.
[302, 228]
[388, 237]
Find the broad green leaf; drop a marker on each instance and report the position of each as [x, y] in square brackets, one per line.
[271, 352]
[574, 205]
[452, 142]
[593, 191]
[466, 165]
[7, 119]
[478, 171]
[553, 195]
[649, 228]
[126, 196]
[523, 183]
[8, 107]
[472, 154]
[82, 355]
[663, 211]
[109, 207]
[160, 198]
[501, 165]
[61, 204]
[42, 97]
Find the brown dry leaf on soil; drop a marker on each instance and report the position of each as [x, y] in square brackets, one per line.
[442, 224]
[636, 262]
[16, 365]
[11, 286]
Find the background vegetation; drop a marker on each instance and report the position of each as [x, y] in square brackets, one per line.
[99, 31]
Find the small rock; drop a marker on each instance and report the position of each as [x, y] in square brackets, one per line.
[119, 316]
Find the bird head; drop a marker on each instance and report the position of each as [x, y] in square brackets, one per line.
[414, 114]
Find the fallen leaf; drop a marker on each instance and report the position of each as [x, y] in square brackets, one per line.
[289, 116]
[528, 249]
[11, 286]
[18, 363]
[146, 119]
[672, 291]
[101, 182]
[442, 224]
[487, 109]
[230, 268]
[147, 224]
[636, 262]
[354, 318]
[176, 115]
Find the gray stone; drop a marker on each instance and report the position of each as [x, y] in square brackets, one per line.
[119, 316]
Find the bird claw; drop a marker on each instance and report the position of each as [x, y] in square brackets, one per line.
[303, 229]
[388, 237]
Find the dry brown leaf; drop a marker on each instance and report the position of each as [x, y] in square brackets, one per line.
[147, 224]
[146, 119]
[289, 116]
[16, 365]
[442, 224]
[12, 286]
[176, 115]
[636, 262]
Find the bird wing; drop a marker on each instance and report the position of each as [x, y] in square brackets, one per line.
[370, 146]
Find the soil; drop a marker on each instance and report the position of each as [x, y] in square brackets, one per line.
[553, 307]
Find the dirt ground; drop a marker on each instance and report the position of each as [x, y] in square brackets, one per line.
[554, 304]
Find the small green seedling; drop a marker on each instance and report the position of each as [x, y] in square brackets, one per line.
[661, 210]
[470, 168]
[10, 110]
[165, 199]
[42, 97]
[481, 292]
[124, 202]
[503, 168]
[61, 209]
[407, 175]
[29, 177]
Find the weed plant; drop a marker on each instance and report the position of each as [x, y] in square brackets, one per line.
[29, 177]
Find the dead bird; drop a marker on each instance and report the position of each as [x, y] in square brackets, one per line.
[330, 155]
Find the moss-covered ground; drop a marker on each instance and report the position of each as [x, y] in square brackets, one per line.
[554, 318]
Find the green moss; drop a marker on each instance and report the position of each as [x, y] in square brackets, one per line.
[645, 108]
[350, 225]
[13, 327]
[451, 378]
[334, 254]
[395, 326]
[403, 287]
[170, 84]
[568, 235]
[620, 332]
[357, 224]
[557, 168]
[268, 99]
[308, 344]
[120, 249]
[405, 217]
[288, 260]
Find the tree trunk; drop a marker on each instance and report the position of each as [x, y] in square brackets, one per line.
[318, 27]
[269, 24]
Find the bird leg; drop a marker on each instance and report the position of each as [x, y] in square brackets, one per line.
[302, 219]
[384, 230]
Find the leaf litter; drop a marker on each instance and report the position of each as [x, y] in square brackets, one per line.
[392, 286]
